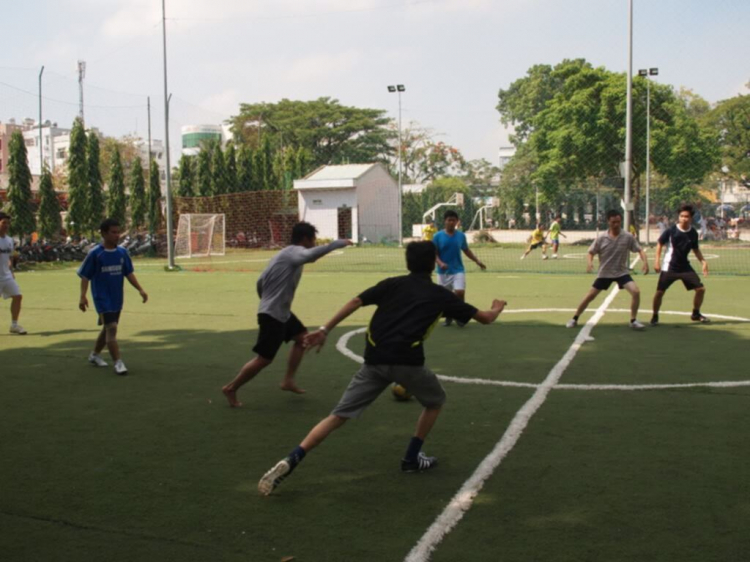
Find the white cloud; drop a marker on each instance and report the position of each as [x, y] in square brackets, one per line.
[226, 102]
[320, 66]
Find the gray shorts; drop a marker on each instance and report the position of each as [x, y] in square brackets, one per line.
[371, 380]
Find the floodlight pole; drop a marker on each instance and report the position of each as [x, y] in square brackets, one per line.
[170, 241]
[648, 161]
[398, 89]
[536, 193]
[629, 121]
[41, 145]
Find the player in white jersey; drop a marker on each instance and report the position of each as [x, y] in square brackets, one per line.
[9, 289]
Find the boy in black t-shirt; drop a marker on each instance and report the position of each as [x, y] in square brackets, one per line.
[409, 307]
[680, 239]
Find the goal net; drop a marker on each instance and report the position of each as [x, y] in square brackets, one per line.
[200, 235]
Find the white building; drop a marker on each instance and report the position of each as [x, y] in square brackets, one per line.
[158, 153]
[355, 201]
[504, 155]
[55, 145]
[193, 137]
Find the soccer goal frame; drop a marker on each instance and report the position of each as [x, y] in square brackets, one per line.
[200, 235]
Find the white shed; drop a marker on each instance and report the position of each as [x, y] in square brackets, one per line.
[356, 201]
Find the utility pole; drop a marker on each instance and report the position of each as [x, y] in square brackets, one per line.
[646, 73]
[41, 145]
[148, 109]
[81, 76]
[170, 240]
[629, 122]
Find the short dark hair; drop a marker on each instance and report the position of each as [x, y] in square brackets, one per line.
[613, 213]
[689, 208]
[420, 257]
[558, 217]
[450, 213]
[107, 224]
[303, 230]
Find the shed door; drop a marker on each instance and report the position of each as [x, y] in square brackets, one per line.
[345, 222]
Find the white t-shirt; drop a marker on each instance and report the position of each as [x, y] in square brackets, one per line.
[6, 251]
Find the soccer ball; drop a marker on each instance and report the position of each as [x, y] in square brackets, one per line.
[400, 393]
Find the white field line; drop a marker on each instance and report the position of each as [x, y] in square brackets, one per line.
[717, 384]
[464, 498]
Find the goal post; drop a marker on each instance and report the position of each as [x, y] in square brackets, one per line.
[200, 235]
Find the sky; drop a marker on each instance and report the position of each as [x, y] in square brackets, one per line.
[453, 56]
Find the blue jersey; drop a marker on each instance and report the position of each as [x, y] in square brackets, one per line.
[106, 269]
[449, 251]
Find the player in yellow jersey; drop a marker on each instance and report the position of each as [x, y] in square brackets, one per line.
[555, 231]
[537, 239]
[428, 232]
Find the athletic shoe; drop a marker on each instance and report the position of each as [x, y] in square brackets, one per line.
[274, 477]
[523, 257]
[422, 463]
[545, 257]
[554, 256]
[448, 322]
[460, 324]
[120, 367]
[97, 360]
[637, 325]
[17, 329]
[654, 320]
[572, 323]
[700, 318]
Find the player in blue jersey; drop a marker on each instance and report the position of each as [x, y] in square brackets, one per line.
[450, 242]
[105, 266]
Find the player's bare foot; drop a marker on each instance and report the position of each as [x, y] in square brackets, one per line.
[231, 396]
[291, 387]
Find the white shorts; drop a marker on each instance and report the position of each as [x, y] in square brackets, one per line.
[453, 282]
[9, 288]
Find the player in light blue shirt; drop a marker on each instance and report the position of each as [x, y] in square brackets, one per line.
[450, 243]
[106, 266]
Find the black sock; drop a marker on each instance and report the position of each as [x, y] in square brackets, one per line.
[296, 456]
[413, 449]
[575, 318]
[632, 320]
[696, 312]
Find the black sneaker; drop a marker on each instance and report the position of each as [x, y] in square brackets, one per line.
[448, 322]
[700, 318]
[422, 463]
[460, 324]
[274, 477]
[654, 320]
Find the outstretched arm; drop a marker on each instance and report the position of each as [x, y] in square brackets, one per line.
[309, 255]
[472, 257]
[489, 316]
[318, 337]
[134, 282]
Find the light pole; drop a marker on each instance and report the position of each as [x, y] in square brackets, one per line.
[629, 121]
[646, 73]
[398, 89]
[41, 146]
[170, 240]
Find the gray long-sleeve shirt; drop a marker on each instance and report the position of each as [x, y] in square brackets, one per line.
[278, 282]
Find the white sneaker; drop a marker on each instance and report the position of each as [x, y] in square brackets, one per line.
[572, 323]
[17, 329]
[545, 257]
[637, 325]
[523, 257]
[97, 360]
[120, 367]
[554, 256]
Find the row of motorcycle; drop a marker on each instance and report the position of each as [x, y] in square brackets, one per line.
[76, 250]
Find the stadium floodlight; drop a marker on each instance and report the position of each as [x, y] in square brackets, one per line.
[646, 73]
[398, 89]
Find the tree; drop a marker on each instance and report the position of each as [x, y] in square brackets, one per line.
[95, 195]
[245, 168]
[264, 166]
[50, 221]
[185, 185]
[219, 183]
[481, 172]
[19, 187]
[205, 185]
[116, 205]
[138, 203]
[77, 180]
[301, 162]
[127, 148]
[331, 132]
[154, 194]
[230, 167]
[423, 158]
[729, 120]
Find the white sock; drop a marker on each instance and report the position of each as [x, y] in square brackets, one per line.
[13, 323]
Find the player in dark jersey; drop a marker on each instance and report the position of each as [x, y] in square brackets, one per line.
[680, 239]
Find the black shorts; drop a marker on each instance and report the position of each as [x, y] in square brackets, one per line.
[603, 283]
[538, 244]
[273, 333]
[689, 278]
[106, 318]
